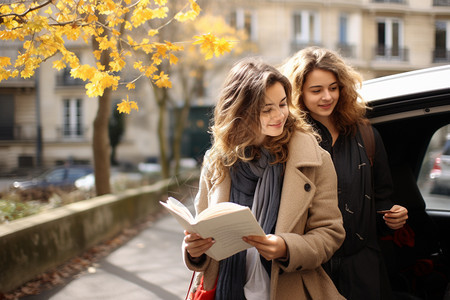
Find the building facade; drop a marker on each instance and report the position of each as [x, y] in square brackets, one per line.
[48, 119]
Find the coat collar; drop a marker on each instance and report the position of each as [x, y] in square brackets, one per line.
[303, 152]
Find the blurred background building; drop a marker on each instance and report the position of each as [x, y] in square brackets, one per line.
[48, 119]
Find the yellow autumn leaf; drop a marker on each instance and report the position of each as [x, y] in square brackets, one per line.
[27, 73]
[4, 74]
[161, 2]
[59, 65]
[162, 50]
[161, 12]
[126, 106]
[191, 14]
[207, 44]
[49, 11]
[156, 58]
[173, 59]
[4, 61]
[172, 47]
[4, 10]
[97, 54]
[162, 80]
[83, 72]
[222, 46]
[150, 70]
[137, 65]
[195, 7]
[153, 32]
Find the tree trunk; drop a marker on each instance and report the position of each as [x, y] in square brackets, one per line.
[101, 146]
[100, 139]
[180, 124]
[161, 95]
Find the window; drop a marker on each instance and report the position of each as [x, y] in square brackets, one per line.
[388, 1]
[55, 176]
[442, 42]
[241, 19]
[434, 177]
[72, 123]
[344, 46]
[441, 2]
[390, 39]
[306, 28]
[343, 24]
[7, 117]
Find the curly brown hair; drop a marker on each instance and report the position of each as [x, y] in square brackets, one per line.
[236, 123]
[350, 109]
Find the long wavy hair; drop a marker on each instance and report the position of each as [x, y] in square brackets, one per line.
[350, 109]
[236, 126]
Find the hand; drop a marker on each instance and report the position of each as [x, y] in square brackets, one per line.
[396, 217]
[269, 246]
[195, 245]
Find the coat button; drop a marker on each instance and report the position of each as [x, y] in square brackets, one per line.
[307, 187]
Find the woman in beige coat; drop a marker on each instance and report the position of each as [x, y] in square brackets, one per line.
[264, 158]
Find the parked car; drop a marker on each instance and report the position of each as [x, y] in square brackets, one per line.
[62, 177]
[407, 109]
[119, 181]
[440, 173]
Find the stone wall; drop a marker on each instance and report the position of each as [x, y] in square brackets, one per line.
[38, 243]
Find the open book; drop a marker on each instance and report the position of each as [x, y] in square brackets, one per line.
[226, 222]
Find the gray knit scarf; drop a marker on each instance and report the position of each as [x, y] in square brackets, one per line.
[258, 182]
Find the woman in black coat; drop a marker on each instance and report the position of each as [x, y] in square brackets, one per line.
[324, 88]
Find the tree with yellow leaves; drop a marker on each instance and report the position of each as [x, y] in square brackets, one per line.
[117, 30]
[191, 73]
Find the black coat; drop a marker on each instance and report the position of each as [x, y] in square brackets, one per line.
[357, 268]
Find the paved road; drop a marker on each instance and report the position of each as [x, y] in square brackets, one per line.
[149, 266]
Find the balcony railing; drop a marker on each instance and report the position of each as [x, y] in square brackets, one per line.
[22, 132]
[390, 1]
[297, 45]
[346, 50]
[391, 54]
[72, 133]
[28, 132]
[441, 56]
[441, 2]
[64, 79]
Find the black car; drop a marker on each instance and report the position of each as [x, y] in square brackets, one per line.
[62, 177]
[412, 113]
[440, 173]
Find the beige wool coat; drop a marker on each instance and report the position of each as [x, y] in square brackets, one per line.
[309, 221]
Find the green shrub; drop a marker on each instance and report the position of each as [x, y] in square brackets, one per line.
[12, 209]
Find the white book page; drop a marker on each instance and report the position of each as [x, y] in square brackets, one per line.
[228, 230]
[219, 209]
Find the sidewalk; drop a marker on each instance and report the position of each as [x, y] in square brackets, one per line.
[149, 266]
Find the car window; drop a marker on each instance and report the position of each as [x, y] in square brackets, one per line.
[74, 174]
[55, 176]
[434, 177]
[447, 147]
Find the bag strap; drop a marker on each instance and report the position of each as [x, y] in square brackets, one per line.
[190, 285]
[366, 132]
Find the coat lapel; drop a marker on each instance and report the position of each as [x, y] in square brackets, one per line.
[298, 190]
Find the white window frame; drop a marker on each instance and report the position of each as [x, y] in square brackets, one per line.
[447, 32]
[72, 123]
[240, 22]
[306, 35]
[389, 32]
